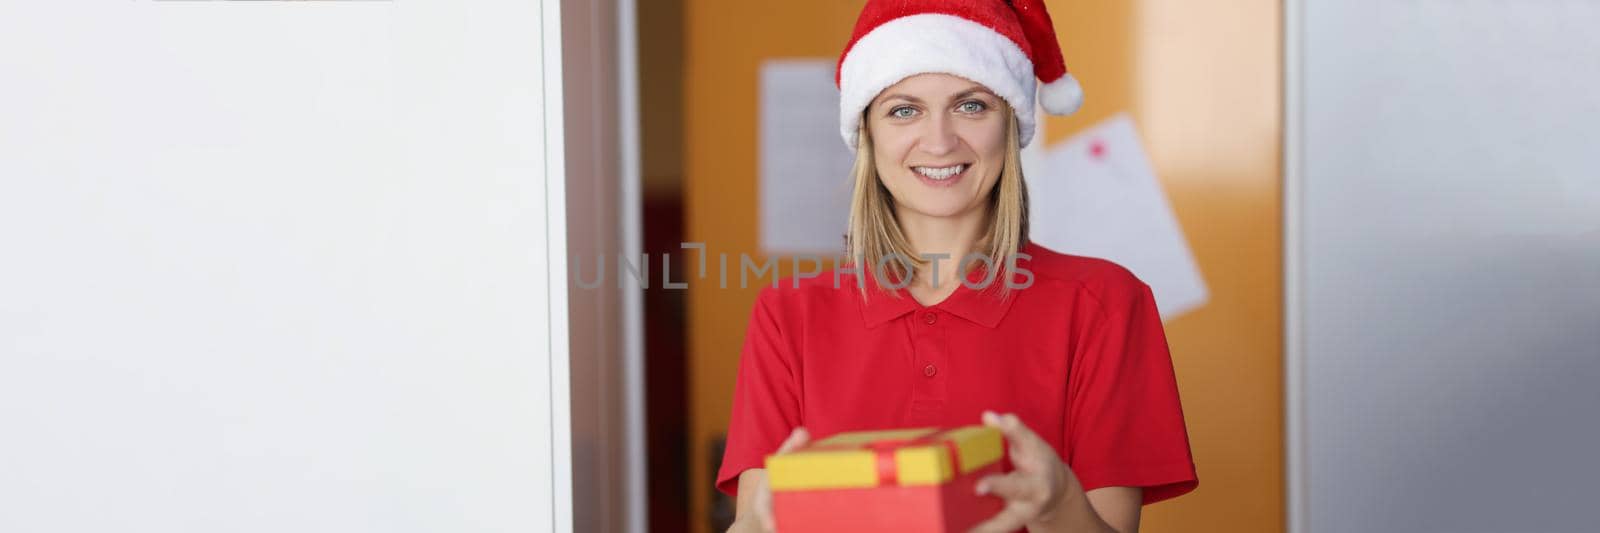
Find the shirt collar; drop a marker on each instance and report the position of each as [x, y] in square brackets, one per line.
[985, 306]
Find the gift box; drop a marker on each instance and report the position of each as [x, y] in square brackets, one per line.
[898, 480]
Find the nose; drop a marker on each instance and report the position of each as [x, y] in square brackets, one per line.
[939, 135]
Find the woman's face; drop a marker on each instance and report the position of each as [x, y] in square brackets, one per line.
[938, 142]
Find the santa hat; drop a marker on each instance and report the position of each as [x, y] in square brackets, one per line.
[1002, 44]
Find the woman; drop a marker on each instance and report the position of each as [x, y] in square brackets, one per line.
[948, 315]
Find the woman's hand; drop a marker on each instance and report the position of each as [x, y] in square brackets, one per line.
[1039, 487]
[754, 513]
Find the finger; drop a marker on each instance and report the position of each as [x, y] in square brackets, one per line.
[1012, 518]
[1026, 448]
[1011, 487]
[763, 509]
[991, 418]
[797, 439]
[767, 525]
[1009, 425]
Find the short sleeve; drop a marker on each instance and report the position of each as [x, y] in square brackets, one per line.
[1125, 425]
[766, 395]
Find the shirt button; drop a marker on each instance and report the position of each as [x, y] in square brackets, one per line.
[929, 371]
[930, 317]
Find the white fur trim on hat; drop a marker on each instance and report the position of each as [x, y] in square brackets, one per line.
[934, 43]
[1061, 97]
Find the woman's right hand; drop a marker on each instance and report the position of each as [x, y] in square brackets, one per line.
[754, 509]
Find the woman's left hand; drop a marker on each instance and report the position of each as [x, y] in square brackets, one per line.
[1037, 486]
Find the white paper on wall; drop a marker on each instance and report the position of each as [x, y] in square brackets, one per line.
[1096, 195]
[804, 165]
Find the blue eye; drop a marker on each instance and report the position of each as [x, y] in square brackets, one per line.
[902, 112]
[972, 106]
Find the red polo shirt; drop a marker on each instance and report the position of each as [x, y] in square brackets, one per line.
[1079, 356]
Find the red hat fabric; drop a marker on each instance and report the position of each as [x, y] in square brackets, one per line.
[1006, 45]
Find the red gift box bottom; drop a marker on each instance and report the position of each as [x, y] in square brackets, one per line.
[953, 507]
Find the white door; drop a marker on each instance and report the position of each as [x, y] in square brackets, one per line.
[282, 266]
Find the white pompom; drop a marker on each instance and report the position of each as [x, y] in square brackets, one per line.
[1061, 97]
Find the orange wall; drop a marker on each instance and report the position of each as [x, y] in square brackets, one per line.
[1201, 79]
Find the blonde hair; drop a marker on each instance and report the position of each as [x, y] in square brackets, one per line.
[875, 239]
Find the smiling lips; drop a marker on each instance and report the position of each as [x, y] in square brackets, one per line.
[941, 176]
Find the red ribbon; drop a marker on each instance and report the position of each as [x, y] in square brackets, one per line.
[889, 472]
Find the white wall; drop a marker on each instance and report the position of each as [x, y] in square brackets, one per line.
[1444, 182]
[279, 266]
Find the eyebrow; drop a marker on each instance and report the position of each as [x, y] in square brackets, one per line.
[979, 89]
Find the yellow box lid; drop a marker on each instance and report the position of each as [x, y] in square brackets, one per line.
[906, 457]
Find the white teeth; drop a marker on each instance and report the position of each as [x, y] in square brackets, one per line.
[942, 173]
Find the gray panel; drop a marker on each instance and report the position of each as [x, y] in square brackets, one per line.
[1451, 253]
[594, 159]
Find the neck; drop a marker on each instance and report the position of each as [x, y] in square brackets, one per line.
[949, 238]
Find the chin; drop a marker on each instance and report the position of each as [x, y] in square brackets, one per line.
[937, 209]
